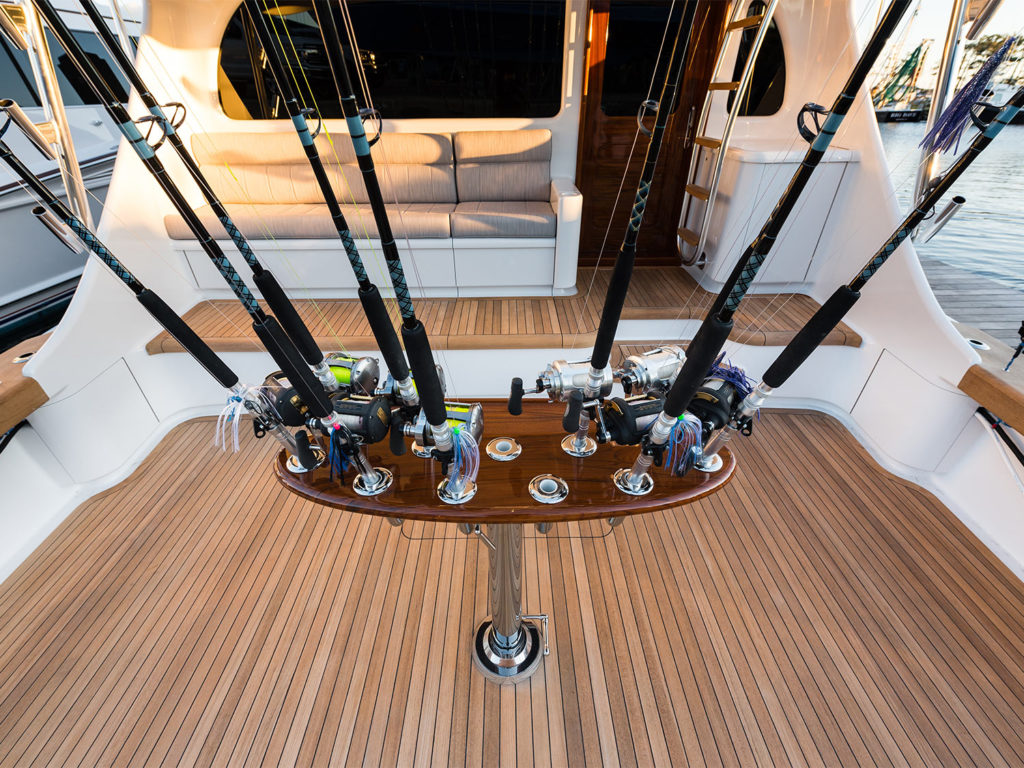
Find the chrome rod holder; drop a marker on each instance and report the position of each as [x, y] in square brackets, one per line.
[952, 209]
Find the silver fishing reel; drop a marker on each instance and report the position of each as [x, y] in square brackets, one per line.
[467, 416]
[357, 374]
[389, 387]
[652, 371]
[561, 378]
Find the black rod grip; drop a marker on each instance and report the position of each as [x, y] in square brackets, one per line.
[573, 409]
[421, 359]
[282, 307]
[515, 397]
[614, 301]
[304, 451]
[188, 338]
[809, 337]
[307, 386]
[396, 439]
[700, 356]
[384, 332]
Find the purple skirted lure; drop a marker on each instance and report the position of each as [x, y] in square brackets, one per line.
[723, 369]
[949, 126]
[685, 445]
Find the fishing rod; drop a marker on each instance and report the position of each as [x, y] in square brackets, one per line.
[357, 417]
[369, 296]
[414, 334]
[62, 223]
[269, 287]
[704, 351]
[454, 449]
[268, 329]
[832, 312]
[585, 383]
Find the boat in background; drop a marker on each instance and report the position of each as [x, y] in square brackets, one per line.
[898, 99]
[34, 293]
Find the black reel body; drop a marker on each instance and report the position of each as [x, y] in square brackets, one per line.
[714, 404]
[628, 419]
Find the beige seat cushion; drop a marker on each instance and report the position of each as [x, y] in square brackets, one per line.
[272, 167]
[504, 219]
[503, 165]
[308, 220]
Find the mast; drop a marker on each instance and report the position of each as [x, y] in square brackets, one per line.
[268, 285]
[718, 323]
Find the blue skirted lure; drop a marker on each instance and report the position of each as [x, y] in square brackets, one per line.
[723, 369]
[466, 463]
[336, 456]
[949, 126]
[685, 445]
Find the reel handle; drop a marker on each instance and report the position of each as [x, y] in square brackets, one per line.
[396, 438]
[573, 409]
[515, 398]
[303, 451]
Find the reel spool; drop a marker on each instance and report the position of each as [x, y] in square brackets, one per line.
[359, 375]
[652, 371]
[366, 417]
[561, 378]
[627, 419]
[714, 404]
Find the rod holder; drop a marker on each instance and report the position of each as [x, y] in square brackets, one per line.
[952, 209]
[12, 26]
[37, 134]
[58, 228]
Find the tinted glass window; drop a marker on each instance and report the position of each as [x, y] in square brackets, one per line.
[635, 29]
[432, 58]
[16, 74]
[768, 80]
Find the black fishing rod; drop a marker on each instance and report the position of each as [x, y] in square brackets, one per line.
[369, 296]
[832, 312]
[309, 388]
[268, 285]
[157, 308]
[414, 334]
[595, 372]
[717, 325]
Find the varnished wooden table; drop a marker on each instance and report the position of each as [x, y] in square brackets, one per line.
[508, 648]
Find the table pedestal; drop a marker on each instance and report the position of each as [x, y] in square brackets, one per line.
[507, 648]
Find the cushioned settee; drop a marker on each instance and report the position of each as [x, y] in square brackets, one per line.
[474, 213]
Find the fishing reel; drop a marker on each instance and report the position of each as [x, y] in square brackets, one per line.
[464, 416]
[652, 371]
[358, 375]
[625, 420]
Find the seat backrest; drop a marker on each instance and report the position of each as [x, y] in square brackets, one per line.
[272, 167]
[503, 165]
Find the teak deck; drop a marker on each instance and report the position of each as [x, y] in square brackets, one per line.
[815, 611]
[656, 293]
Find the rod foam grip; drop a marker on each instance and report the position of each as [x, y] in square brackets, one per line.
[307, 386]
[396, 439]
[421, 359]
[282, 307]
[809, 338]
[515, 397]
[188, 338]
[614, 300]
[700, 355]
[384, 332]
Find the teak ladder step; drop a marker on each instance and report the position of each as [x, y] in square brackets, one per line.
[698, 191]
[747, 21]
[725, 85]
[708, 141]
[688, 236]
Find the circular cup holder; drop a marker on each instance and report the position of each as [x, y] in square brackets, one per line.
[548, 489]
[504, 449]
[978, 344]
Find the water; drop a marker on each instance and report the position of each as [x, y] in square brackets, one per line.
[987, 236]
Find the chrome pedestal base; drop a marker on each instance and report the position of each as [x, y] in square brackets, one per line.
[384, 480]
[588, 447]
[419, 450]
[297, 469]
[468, 491]
[711, 463]
[507, 660]
[621, 480]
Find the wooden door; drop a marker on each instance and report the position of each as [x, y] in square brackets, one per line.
[611, 99]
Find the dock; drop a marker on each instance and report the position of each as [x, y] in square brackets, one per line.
[977, 301]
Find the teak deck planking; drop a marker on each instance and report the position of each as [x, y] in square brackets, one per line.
[815, 611]
[656, 293]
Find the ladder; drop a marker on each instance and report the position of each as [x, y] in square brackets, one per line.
[700, 194]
